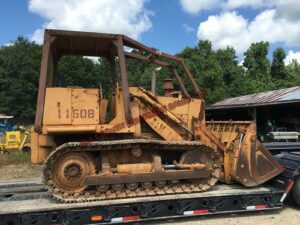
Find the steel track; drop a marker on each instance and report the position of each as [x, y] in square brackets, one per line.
[88, 196]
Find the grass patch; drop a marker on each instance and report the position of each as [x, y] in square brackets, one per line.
[14, 158]
[17, 165]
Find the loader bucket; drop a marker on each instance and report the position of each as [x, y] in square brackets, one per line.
[250, 163]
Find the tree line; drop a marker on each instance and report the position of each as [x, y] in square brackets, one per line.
[217, 72]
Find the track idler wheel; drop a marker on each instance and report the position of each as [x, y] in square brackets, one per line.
[69, 170]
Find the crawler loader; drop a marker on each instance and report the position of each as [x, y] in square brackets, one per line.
[12, 138]
[149, 145]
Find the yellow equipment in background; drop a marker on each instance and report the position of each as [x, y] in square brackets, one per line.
[15, 140]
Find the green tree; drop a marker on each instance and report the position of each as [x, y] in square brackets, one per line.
[233, 74]
[216, 72]
[101, 71]
[293, 71]
[278, 69]
[77, 71]
[19, 71]
[138, 72]
[229, 64]
[208, 73]
[258, 67]
[256, 60]
[83, 72]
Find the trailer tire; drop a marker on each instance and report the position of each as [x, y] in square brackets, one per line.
[296, 191]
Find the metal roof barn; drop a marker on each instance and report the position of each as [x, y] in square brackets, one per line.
[281, 96]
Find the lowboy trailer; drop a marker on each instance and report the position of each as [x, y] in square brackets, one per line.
[39, 208]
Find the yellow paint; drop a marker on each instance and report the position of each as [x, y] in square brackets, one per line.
[14, 140]
[83, 111]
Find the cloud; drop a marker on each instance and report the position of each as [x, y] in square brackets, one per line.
[187, 28]
[292, 55]
[288, 9]
[9, 44]
[235, 4]
[227, 29]
[195, 6]
[241, 62]
[231, 28]
[276, 22]
[128, 17]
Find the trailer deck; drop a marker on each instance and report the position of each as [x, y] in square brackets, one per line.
[40, 209]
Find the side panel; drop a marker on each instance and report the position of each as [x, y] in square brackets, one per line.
[184, 108]
[71, 106]
[41, 146]
[85, 106]
[57, 110]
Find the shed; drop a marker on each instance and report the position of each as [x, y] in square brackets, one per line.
[275, 110]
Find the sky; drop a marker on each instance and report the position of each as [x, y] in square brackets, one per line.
[167, 25]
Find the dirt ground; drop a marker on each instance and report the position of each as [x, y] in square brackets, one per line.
[17, 166]
[21, 171]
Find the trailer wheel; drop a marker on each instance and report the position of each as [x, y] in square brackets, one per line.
[296, 191]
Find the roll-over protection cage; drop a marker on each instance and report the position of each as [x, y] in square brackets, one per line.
[58, 43]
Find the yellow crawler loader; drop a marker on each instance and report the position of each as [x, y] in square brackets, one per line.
[151, 145]
[15, 141]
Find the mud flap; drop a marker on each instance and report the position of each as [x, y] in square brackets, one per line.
[254, 164]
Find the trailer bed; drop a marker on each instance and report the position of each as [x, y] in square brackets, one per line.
[40, 209]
